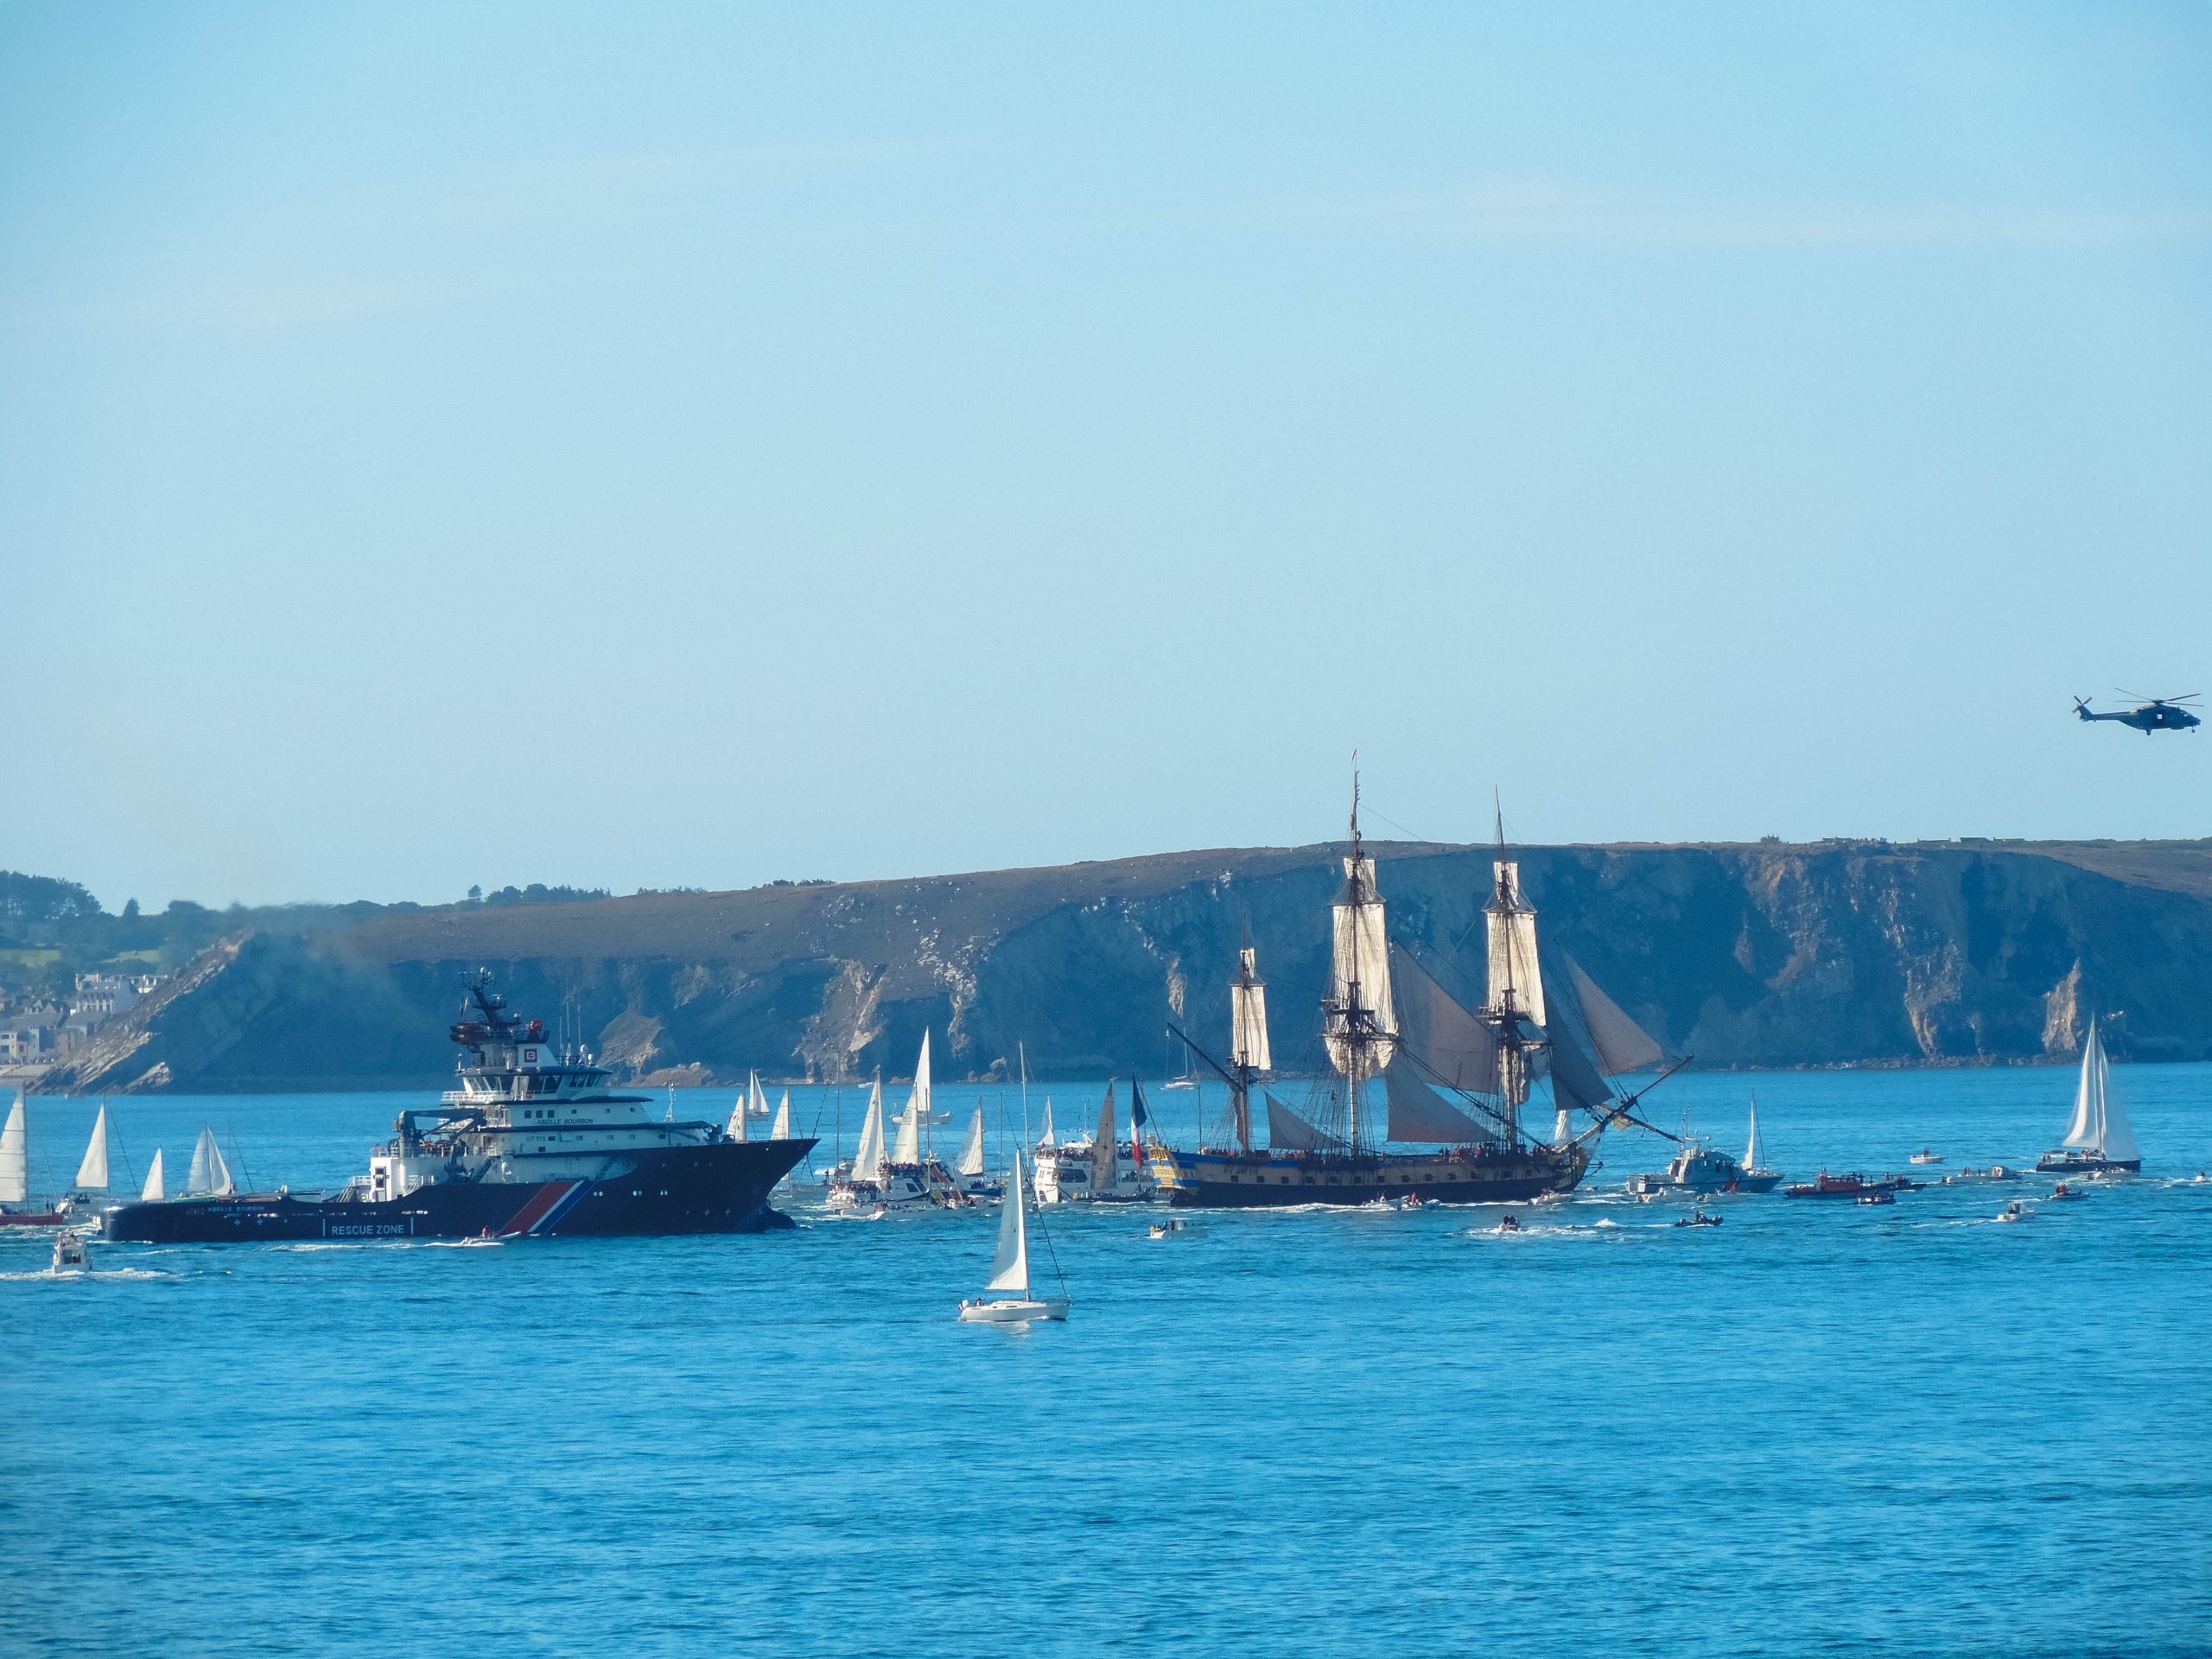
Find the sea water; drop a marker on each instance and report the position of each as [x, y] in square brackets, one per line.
[1818, 1427]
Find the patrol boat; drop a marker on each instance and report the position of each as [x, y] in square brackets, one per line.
[1455, 1079]
[531, 1142]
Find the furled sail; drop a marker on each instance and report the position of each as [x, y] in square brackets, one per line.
[1513, 945]
[14, 1158]
[1010, 1264]
[1359, 974]
[1248, 1010]
[1105, 1146]
[1454, 1045]
[91, 1174]
[868, 1158]
[210, 1176]
[1622, 1044]
[781, 1129]
[1287, 1131]
[153, 1189]
[2087, 1127]
[1418, 1113]
[971, 1155]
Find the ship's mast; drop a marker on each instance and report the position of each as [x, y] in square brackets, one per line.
[1350, 1018]
[1516, 1051]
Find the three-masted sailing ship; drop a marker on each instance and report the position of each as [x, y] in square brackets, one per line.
[1454, 1080]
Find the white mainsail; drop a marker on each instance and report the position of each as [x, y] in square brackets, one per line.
[2116, 1140]
[211, 1176]
[15, 1157]
[1105, 1146]
[756, 1103]
[153, 1190]
[1046, 1139]
[2088, 1128]
[1513, 945]
[781, 1129]
[1248, 1015]
[1752, 1152]
[867, 1158]
[909, 1150]
[1359, 968]
[971, 1155]
[91, 1174]
[735, 1129]
[1010, 1265]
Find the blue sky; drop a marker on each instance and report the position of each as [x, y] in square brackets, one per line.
[690, 444]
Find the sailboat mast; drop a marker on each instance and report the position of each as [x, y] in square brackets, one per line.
[1513, 1058]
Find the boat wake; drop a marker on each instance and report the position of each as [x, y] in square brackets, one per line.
[97, 1272]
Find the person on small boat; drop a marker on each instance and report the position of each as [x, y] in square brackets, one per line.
[1508, 1225]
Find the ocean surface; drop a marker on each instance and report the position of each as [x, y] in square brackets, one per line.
[1817, 1428]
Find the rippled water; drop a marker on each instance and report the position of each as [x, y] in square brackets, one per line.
[1816, 1428]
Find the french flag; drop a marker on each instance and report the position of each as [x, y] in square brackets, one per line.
[1138, 1117]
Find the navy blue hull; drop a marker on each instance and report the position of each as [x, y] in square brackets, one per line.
[719, 1188]
[1259, 1180]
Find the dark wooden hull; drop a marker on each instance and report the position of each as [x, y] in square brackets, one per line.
[1228, 1180]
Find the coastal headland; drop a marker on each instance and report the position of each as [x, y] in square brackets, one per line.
[1748, 955]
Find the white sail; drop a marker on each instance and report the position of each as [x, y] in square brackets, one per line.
[1105, 1148]
[1513, 946]
[2119, 1139]
[756, 1103]
[1010, 1265]
[1417, 1114]
[2088, 1125]
[921, 1102]
[735, 1129]
[907, 1149]
[971, 1155]
[1752, 1152]
[153, 1189]
[91, 1174]
[14, 1158]
[781, 1129]
[1046, 1139]
[867, 1158]
[1248, 1015]
[1359, 970]
[211, 1176]
[1437, 1031]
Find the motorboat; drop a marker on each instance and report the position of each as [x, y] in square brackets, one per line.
[1174, 1224]
[1698, 1218]
[2014, 1211]
[1878, 1195]
[1970, 1176]
[1019, 1304]
[1925, 1156]
[1508, 1225]
[2063, 1193]
[1700, 1167]
[70, 1254]
[1825, 1186]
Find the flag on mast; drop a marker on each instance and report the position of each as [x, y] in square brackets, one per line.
[1138, 1118]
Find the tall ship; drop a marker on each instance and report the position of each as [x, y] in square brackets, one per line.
[1455, 1081]
[531, 1143]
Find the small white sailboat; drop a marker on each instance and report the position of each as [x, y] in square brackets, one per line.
[1756, 1178]
[91, 1185]
[881, 1180]
[756, 1097]
[969, 1172]
[1010, 1267]
[152, 1193]
[2098, 1140]
[210, 1177]
[16, 1208]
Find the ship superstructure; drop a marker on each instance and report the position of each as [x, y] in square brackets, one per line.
[533, 1140]
[1454, 1080]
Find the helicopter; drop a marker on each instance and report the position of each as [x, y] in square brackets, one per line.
[2157, 714]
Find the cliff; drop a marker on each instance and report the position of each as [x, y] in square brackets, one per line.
[1744, 955]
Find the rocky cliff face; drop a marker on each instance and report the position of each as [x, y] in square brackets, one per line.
[1742, 956]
